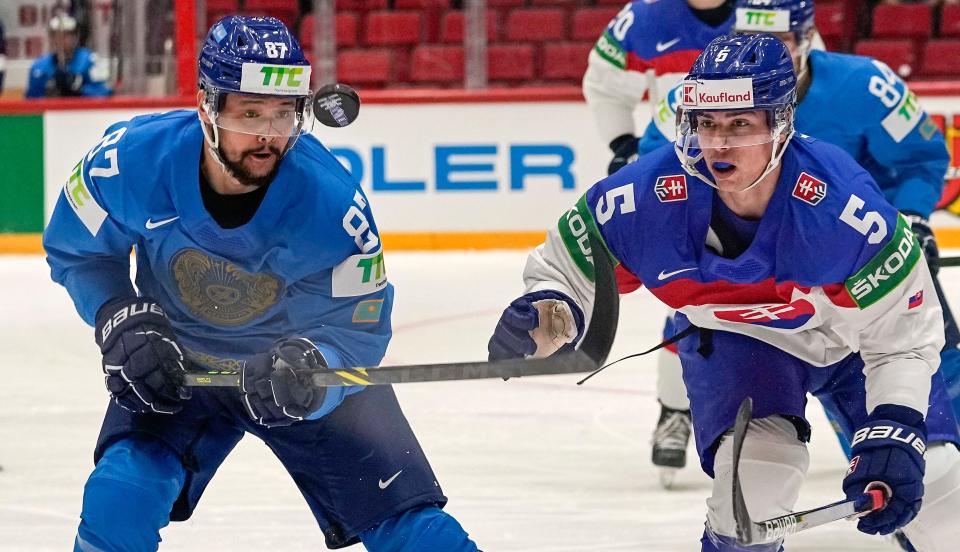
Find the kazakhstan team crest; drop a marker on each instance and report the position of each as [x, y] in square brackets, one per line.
[220, 292]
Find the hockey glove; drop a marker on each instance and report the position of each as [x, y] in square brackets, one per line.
[625, 150]
[141, 358]
[921, 228]
[520, 333]
[888, 450]
[276, 387]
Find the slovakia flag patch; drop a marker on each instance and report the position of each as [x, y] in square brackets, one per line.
[915, 300]
[786, 316]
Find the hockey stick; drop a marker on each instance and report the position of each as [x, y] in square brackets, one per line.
[948, 261]
[593, 351]
[774, 529]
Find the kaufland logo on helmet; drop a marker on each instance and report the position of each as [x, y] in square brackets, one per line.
[718, 94]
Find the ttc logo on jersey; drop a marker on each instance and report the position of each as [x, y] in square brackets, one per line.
[671, 188]
[809, 189]
[789, 316]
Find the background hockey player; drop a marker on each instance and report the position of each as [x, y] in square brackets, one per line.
[647, 48]
[753, 209]
[859, 104]
[254, 249]
[68, 69]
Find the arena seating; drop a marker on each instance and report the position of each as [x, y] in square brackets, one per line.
[414, 43]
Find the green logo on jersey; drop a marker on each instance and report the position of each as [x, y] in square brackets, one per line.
[276, 72]
[884, 272]
[611, 50]
[576, 226]
[372, 266]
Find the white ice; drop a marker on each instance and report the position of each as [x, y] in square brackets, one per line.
[533, 465]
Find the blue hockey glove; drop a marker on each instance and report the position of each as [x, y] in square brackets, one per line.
[512, 339]
[921, 228]
[141, 358]
[275, 394]
[625, 149]
[888, 449]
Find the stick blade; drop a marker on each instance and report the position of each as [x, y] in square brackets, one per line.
[745, 533]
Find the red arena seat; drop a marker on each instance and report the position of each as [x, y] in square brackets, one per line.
[950, 21]
[536, 24]
[567, 60]
[589, 23]
[452, 25]
[900, 55]
[941, 58]
[432, 63]
[902, 21]
[390, 28]
[510, 62]
[364, 66]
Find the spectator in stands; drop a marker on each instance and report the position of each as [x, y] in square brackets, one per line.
[68, 70]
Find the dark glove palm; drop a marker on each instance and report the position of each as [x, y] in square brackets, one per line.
[923, 232]
[141, 358]
[511, 338]
[275, 389]
[625, 150]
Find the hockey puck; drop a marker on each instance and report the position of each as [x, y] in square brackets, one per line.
[336, 105]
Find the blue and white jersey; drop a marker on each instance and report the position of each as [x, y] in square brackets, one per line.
[861, 105]
[832, 269]
[646, 48]
[83, 76]
[309, 262]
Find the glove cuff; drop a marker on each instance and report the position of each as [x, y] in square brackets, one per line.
[890, 430]
[114, 316]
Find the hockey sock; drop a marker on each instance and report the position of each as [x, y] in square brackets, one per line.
[128, 497]
[423, 529]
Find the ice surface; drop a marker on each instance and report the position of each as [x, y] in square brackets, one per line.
[534, 465]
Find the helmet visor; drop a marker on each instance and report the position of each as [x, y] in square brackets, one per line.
[714, 130]
[282, 123]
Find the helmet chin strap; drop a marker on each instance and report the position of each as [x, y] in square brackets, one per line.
[213, 142]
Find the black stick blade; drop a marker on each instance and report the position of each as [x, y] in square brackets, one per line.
[740, 514]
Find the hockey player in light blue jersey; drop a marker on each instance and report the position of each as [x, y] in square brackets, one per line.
[791, 274]
[255, 250]
[859, 104]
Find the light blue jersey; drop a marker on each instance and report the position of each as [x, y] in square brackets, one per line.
[861, 105]
[309, 262]
[78, 78]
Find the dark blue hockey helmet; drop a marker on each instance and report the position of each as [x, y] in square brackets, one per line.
[774, 16]
[737, 73]
[255, 56]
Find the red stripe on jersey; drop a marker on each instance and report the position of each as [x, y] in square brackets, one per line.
[627, 282]
[684, 292]
[839, 296]
[675, 62]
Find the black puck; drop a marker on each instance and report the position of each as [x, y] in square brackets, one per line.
[336, 105]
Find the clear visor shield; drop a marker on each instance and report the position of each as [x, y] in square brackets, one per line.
[257, 116]
[705, 130]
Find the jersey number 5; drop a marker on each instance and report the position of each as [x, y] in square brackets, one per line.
[864, 224]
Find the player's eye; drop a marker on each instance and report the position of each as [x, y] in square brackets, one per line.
[707, 123]
[250, 114]
[742, 123]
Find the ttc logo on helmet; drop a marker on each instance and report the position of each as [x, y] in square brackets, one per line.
[270, 71]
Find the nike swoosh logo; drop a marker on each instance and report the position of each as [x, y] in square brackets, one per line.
[152, 225]
[661, 46]
[384, 484]
[664, 275]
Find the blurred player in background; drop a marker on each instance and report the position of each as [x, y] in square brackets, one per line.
[791, 274]
[255, 250]
[3, 56]
[646, 49]
[69, 69]
[859, 104]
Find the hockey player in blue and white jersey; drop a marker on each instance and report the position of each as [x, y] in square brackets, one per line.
[255, 250]
[797, 276]
[646, 49]
[859, 104]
